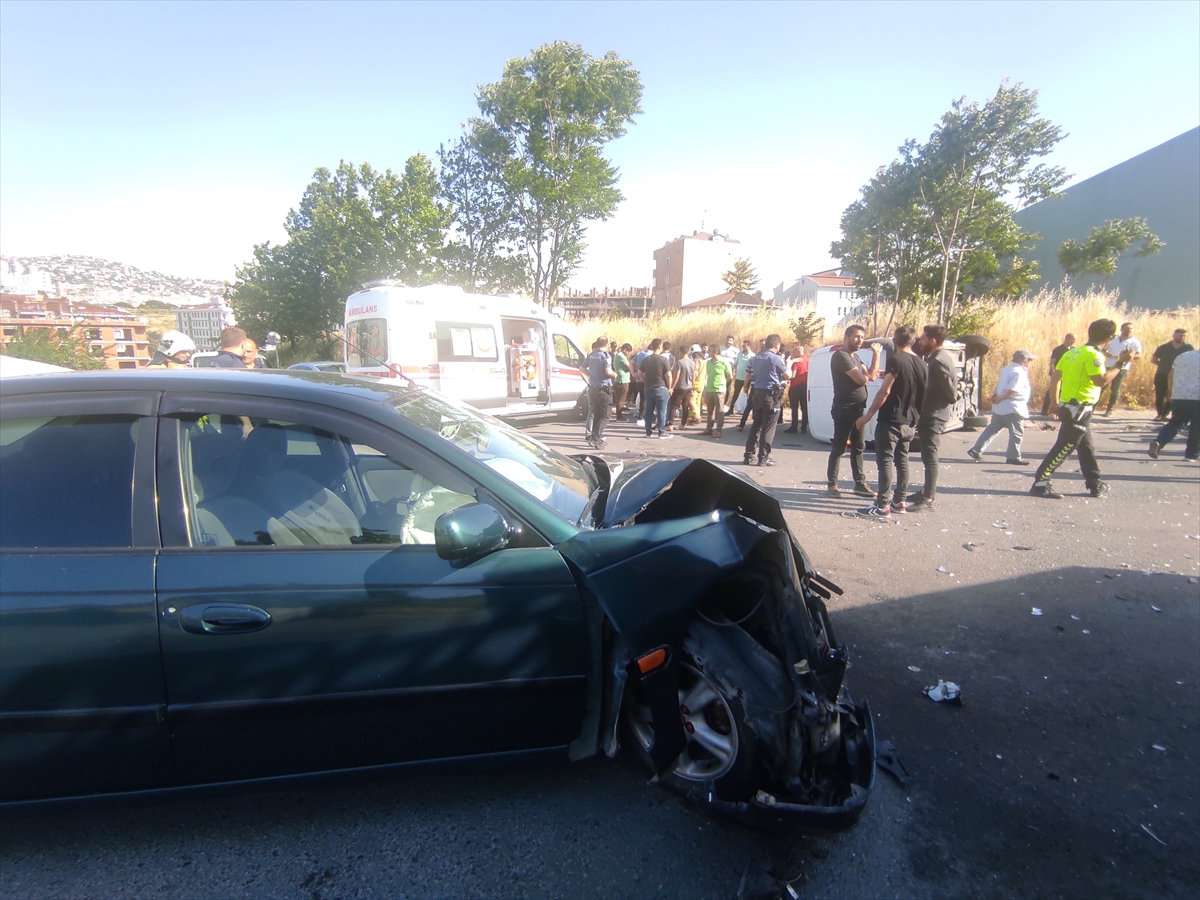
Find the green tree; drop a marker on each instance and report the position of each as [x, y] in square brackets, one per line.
[741, 277]
[482, 253]
[352, 225]
[550, 116]
[51, 346]
[1100, 251]
[939, 220]
[809, 329]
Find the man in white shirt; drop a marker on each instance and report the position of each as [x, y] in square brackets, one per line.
[1010, 409]
[1185, 406]
[1122, 342]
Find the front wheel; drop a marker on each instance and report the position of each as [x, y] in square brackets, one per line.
[721, 749]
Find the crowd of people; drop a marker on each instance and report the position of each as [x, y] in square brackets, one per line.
[175, 351]
[918, 389]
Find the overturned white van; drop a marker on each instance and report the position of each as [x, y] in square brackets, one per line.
[501, 354]
[966, 413]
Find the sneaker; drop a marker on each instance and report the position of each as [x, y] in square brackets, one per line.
[975, 455]
[918, 502]
[1100, 488]
[717, 433]
[899, 507]
[876, 512]
[766, 461]
[601, 444]
[748, 460]
[665, 437]
[1155, 446]
[1016, 462]
[860, 488]
[832, 491]
[1106, 413]
[1045, 490]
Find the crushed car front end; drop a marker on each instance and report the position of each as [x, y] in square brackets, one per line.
[709, 599]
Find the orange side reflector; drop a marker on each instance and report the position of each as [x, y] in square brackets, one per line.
[652, 661]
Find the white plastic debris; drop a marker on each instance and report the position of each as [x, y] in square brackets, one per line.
[943, 570]
[1159, 747]
[1076, 618]
[944, 692]
[1156, 608]
[1085, 631]
[1035, 612]
[914, 668]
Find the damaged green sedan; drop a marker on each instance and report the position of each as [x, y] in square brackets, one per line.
[226, 576]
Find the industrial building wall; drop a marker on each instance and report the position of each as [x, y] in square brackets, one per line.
[1163, 186]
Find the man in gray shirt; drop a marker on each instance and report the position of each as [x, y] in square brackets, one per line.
[941, 390]
[684, 374]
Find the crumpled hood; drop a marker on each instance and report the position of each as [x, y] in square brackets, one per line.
[676, 488]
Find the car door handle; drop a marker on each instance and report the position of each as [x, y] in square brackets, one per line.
[223, 618]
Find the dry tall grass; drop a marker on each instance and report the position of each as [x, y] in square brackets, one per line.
[1036, 323]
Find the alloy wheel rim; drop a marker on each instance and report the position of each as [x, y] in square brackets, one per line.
[712, 738]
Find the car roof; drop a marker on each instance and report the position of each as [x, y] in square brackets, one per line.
[360, 394]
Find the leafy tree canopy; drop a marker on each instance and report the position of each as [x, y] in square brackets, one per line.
[544, 126]
[49, 346]
[1099, 252]
[742, 277]
[939, 220]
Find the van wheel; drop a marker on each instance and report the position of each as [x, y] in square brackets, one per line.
[977, 345]
[975, 423]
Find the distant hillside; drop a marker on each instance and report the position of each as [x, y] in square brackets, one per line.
[101, 281]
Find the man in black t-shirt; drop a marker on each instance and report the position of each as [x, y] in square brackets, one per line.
[850, 379]
[941, 392]
[1164, 357]
[656, 377]
[899, 406]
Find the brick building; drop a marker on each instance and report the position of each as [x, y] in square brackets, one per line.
[115, 335]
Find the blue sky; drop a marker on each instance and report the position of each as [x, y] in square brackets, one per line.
[175, 136]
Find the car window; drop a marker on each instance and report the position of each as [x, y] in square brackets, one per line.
[274, 483]
[566, 352]
[67, 481]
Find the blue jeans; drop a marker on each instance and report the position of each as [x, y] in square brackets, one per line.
[657, 400]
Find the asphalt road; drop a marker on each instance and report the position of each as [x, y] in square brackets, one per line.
[1072, 768]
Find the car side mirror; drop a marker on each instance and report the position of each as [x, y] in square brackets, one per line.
[470, 532]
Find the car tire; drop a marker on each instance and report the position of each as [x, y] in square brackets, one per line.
[721, 751]
[975, 423]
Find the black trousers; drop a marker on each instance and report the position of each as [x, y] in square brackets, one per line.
[765, 406]
[930, 429]
[1073, 435]
[798, 397]
[1162, 390]
[737, 389]
[891, 449]
[1184, 414]
[843, 431]
[600, 405]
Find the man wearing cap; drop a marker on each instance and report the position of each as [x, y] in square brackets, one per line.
[1084, 376]
[1010, 409]
[1164, 358]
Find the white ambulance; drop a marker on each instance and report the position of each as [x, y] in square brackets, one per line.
[966, 413]
[502, 354]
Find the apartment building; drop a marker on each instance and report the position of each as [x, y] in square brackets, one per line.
[689, 268]
[832, 292]
[203, 324]
[112, 334]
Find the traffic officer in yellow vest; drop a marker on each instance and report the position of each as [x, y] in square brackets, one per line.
[1083, 378]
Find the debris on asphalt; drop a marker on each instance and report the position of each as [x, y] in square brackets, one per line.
[887, 759]
[1037, 612]
[1159, 747]
[1156, 608]
[1075, 617]
[1053, 777]
[944, 692]
[943, 570]
[1146, 828]
[970, 545]
[914, 668]
[1021, 548]
[1085, 631]
[1001, 525]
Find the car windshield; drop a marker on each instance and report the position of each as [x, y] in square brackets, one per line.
[560, 482]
